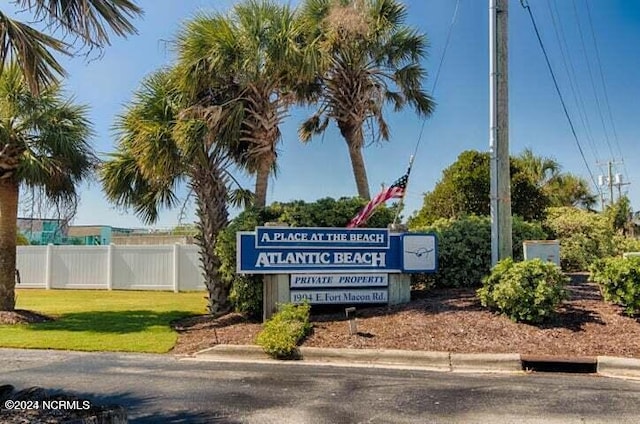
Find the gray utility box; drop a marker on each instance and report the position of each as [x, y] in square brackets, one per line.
[547, 250]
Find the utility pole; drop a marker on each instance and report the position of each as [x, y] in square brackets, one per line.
[617, 181]
[501, 243]
[610, 181]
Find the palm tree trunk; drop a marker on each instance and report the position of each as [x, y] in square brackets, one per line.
[262, 132]
[210, 188]
[262, 183]
[354, 140]
[359, 172]
[9, 190]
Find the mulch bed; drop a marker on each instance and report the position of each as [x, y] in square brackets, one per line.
[20, 316]
[448, 320]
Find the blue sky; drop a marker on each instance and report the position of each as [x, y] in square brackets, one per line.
[460, 121]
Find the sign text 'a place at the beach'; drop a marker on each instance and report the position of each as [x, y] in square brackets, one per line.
[335, 238]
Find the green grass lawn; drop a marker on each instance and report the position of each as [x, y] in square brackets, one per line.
[128, 321]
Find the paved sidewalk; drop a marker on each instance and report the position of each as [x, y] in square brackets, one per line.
[434, 361]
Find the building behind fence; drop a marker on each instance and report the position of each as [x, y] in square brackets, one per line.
[166, 267]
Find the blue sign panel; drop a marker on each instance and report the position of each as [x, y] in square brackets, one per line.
[296, 259]
[333, 238]
[273, 250]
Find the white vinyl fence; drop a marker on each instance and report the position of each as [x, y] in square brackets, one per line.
[161, 267]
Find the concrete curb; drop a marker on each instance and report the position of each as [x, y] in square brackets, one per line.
[611, 366]
[485, 362]
[608, 366]
[427, 360]
[438, 361]
[239, 352]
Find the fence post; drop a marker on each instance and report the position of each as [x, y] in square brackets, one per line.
[48, 277]
[110, 266]
[176, 268]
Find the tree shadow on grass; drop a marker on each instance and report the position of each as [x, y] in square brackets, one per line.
[115, 322]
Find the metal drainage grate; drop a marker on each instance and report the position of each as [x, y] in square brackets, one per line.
[579, 365]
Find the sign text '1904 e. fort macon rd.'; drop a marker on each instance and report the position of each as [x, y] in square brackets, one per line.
[318, 297]
[272, 250]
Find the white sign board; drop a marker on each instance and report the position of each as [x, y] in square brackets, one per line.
[309, 281]
[547, 250]
[419, 252]
[318, 297]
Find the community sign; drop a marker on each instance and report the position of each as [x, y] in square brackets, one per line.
[284, 250]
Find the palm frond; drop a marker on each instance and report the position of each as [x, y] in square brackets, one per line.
[409, 77]
[127, 187]
[312, 126]
[241, 198]
[31, 51]
[86, 19]
[45, 138]
[387, 16]
[146, 127]
[402, 46]
[59, 156]
[396, 99]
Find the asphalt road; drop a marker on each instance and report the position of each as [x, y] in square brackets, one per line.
[160, 388]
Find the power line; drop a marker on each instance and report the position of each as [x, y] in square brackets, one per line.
[593, 85]
[433, 90]
[604, 87]
[555, 83]
[435, 81]
[571, 72]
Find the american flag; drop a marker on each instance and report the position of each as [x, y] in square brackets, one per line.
[395, 190]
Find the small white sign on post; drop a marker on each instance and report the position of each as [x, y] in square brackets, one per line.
[308, 281]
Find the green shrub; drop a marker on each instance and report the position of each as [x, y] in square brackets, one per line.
[464, 249]
[281, 334]
[623, 244]
[523, 230]
[246, 291]
[527, 291]
[619, 280]
[584, 236]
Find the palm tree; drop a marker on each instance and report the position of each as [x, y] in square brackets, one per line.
[562, 189]
[540, 170]
[571, 190]
[85, 21]
[257, 49]
[371, 58]
[43, 144]
[166, 137]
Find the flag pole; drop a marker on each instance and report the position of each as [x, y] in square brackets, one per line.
[401, 203]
